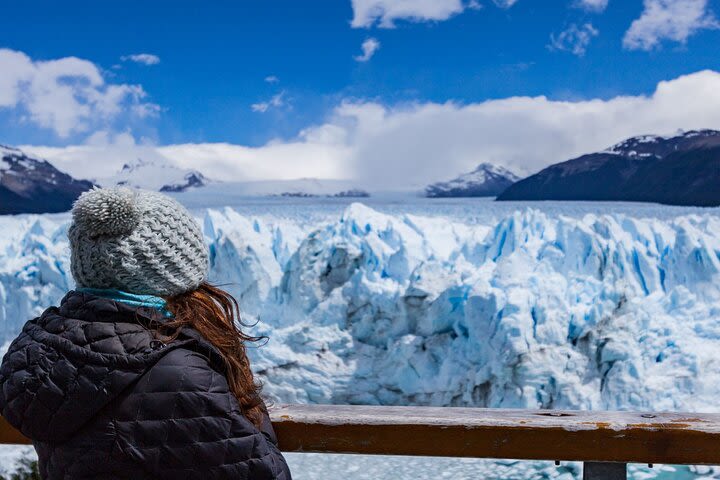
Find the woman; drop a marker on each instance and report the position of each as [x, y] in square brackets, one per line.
[141, 371]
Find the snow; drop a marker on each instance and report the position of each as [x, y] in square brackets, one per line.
[485, 172]
[699, 133]
[626, 147]
[149, 175]
[462, 302]
[5, 160]
[6, 152]
[648, 139]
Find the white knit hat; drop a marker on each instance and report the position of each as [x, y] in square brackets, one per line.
[136, 241]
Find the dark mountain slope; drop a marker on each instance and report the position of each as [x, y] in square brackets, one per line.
[682, 170]
[681, 178]
[28, 185]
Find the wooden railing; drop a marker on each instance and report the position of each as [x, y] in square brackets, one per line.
[605, 441]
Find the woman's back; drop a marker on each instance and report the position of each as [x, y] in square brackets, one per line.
[100, 397]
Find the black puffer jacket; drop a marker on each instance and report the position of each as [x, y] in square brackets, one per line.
[100, 398]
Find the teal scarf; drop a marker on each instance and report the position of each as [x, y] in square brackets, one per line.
[147, 301]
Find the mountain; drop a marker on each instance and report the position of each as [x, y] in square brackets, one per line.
[679, 170]
[486, 180]
[155, 175]
[29, 185]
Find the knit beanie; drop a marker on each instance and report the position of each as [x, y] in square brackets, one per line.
[136, 241]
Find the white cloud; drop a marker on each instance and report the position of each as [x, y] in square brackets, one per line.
[574, 40]
[366, 13]
[143, 58]
[592, 5]
[272, 79]
[102, 154]
[505, 3]
[276, 101]
[414, 144]
[68, 95]
[674, 20]
[320, 152]
[17, 70]
[369, 47]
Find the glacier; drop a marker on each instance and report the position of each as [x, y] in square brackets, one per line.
[609, 306]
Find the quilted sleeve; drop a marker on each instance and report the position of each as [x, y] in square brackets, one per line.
[17, 385]
[180, 420]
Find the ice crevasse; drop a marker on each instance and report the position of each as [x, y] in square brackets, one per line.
[532, 309]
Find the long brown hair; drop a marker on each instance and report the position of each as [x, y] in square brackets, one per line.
[215, 314]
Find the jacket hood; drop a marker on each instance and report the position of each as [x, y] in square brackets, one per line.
[70, 362]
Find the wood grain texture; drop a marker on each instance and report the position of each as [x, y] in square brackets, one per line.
[497, 433]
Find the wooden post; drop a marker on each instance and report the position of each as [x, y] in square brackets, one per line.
[604, 471]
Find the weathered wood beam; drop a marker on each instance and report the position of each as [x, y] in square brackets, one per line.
[622, 437]
[8, 434]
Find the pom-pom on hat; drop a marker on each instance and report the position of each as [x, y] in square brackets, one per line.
[136, 241]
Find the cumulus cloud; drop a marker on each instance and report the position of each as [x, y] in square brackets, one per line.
[320, 152]
[369, 47]
[592, 5]
[272, 79]
[276, 101]
[68, 95]
[575, 39]
[674, 20]
[413, 144]
[142, 58]
[103, 154]
[384, 13]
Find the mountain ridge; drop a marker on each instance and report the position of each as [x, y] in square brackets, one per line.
[486, 180]
[31, 185]
[155, 175]
[679, 170]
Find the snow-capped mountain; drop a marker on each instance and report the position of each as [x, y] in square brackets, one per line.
[486, 180]
[30, 185]
[659, 146]
[683, 170]
[155, 175]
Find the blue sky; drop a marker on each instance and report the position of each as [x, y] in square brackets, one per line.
[254, 73]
